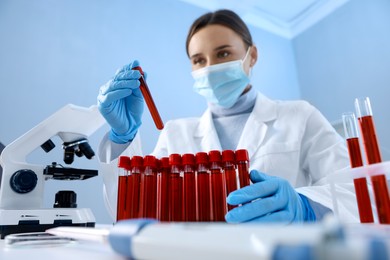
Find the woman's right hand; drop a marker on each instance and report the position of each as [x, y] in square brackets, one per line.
[121, 103]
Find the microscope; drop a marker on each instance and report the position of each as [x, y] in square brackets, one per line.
[22, 183]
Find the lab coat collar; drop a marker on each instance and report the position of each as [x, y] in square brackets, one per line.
[265, 110]
[206, 131]
[255, 129]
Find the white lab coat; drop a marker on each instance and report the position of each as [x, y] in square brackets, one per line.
[289, 139]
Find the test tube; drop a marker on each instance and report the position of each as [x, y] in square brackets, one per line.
[189, 187]
[148, 207]
[158, 192]
[355, 157]
[134, 186]
[149, 101]
[203, 187]
[242, 161]
[164, 178]
[123, 168]
[218, 186]
[371, 146]
[229, 169]
[175, 188]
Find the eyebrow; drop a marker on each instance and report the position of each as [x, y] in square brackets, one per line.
[222, 47]
[215, 49]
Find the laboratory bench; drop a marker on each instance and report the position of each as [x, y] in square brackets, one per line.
[325, 241]
[70, 251]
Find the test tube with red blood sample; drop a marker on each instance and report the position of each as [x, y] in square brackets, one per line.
[176, 188]
[189, 191]
[229, 169]
[218, 186]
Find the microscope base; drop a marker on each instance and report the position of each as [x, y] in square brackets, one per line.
[39, 220]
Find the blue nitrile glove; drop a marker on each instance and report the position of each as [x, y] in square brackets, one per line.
[269, 199]
[121, 103]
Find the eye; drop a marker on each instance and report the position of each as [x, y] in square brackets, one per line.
[198, 61]
[223, 54]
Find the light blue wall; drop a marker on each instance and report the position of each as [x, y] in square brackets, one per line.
[347, 55]
[55, 52]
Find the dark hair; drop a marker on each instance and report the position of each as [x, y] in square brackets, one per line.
[222, 17]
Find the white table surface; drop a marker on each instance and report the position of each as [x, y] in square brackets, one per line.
[74, 250]
[70, 251]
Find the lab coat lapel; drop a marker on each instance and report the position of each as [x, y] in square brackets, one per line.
[256, 128]
[206, 132]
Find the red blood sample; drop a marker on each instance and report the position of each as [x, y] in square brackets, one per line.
[370, 142]
[361, 189]
[381, 194]
[203, 187]
[218, 186]
[355, 156]
[124, 166]
[164, 179]
[149, 101]
[242, 161]
[175, 189]
[379, 183]
[189, 187]
[134, 186]
[148, 207]
[228, 164]
[158, 184]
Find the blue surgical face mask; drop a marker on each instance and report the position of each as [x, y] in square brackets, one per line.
[223, 83]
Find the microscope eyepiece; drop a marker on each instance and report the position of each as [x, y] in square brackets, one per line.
[48, 146]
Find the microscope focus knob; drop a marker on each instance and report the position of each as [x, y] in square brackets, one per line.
[65, 199]
[23, 181]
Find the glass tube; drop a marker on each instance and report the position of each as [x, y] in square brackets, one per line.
[148, 207]
[134, 186]
[189, 190]
[242, 160]
[218, 186]
[355, 157]
[229, 169]
[371, 146]
[149, 100]
[164, 178]
[123, 168]
[175, 188]
[367, 127]
[203, 187]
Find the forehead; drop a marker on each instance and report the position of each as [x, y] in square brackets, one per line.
[212, 36]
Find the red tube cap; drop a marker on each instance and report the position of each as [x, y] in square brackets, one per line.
[164, 162]
[202, 158]
[214, 156]
[188, 159]
[242, 155]
[137, 161]
[124, 162]
[228, 156]
[175, 159]
[150, 160]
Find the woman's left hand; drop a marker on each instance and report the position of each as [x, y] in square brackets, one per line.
[268, 199]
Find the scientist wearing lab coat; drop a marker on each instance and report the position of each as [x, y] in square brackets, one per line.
[292, 147]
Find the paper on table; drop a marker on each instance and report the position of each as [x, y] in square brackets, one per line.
[82, 233]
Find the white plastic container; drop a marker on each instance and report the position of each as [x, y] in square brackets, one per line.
[347, 175]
